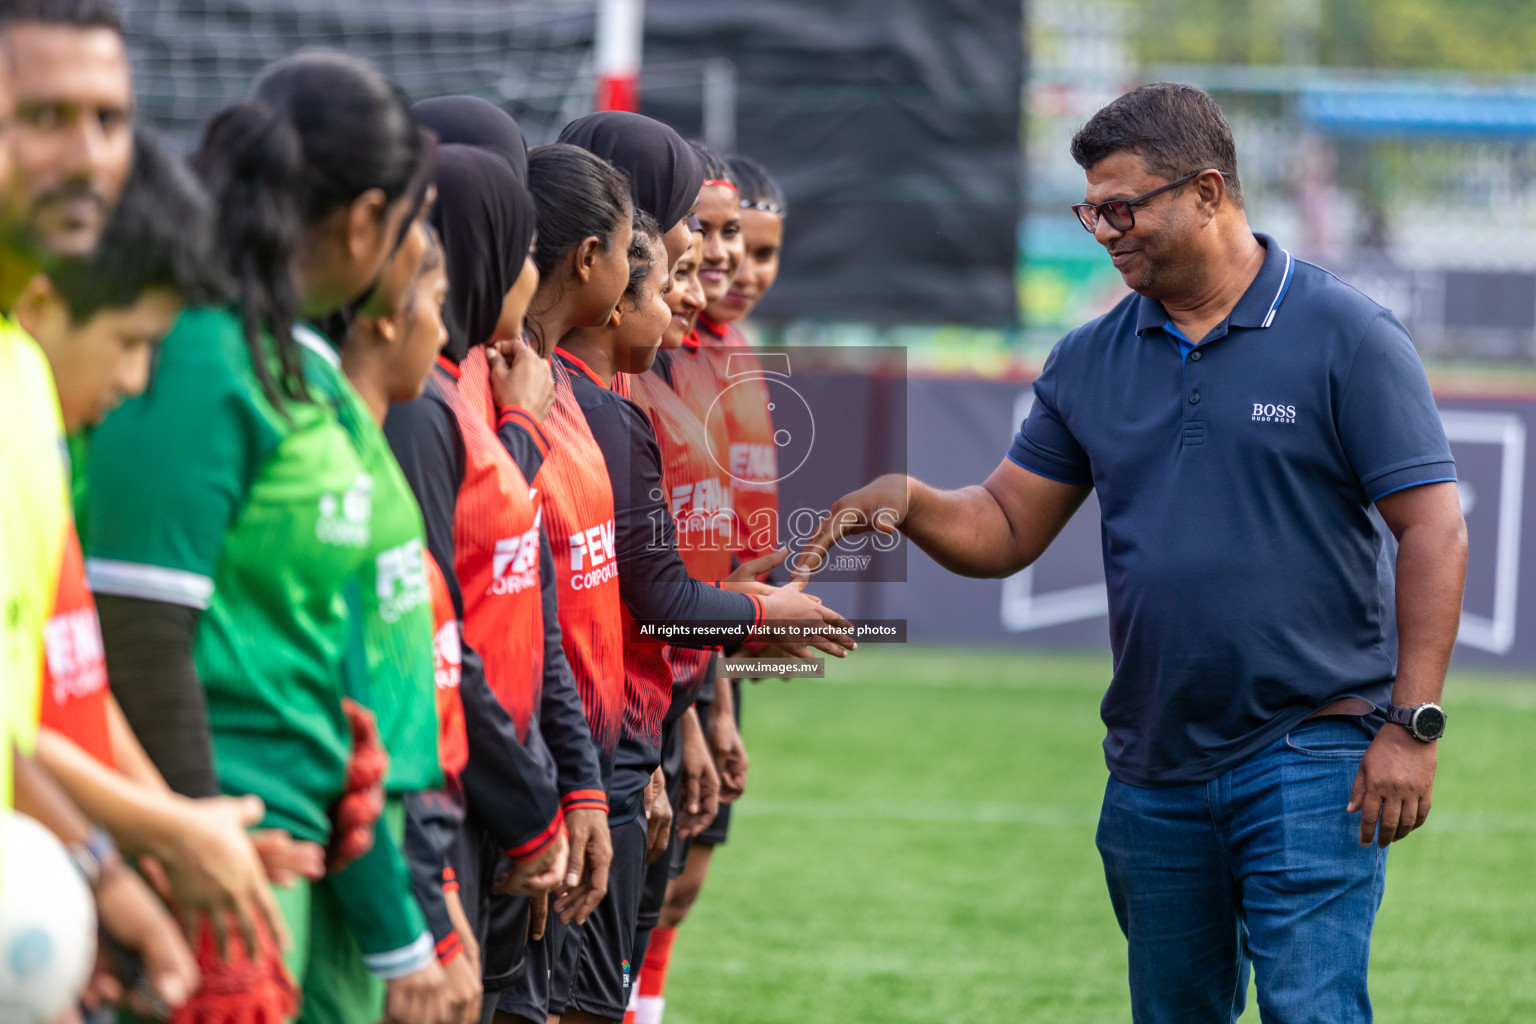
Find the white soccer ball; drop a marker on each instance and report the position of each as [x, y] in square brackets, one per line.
[47, 924]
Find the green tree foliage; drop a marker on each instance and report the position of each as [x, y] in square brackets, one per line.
[1461, 35]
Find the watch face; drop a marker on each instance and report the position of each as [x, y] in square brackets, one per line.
[1429, 723]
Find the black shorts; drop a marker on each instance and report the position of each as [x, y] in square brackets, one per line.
[528, 993]
[500, 923]
[505, 949]
[605, 966]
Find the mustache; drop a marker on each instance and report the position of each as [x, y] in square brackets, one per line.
[71, 191]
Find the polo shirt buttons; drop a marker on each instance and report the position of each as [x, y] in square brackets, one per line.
[1194, 398]
[1194, 356]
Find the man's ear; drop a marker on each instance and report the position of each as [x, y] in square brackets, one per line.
[1211, 190]
[585, 256]
[39, 306]
[365, 219]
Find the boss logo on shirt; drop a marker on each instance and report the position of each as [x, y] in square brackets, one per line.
[1265, 413]
[515, 562]
[344, 517]
[402, 582]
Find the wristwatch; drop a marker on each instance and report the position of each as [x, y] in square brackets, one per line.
[1425, 723]
[94, 856]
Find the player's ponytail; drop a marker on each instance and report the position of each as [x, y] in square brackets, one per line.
[318, 130]
[576, 196]
[251, 161]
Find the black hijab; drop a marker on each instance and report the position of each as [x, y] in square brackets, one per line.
[471, 121]
[486, 221]
[665, 173]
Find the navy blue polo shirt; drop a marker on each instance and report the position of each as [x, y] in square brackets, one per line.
[1250, 581]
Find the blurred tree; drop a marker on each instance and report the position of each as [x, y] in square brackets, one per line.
[1463, 35]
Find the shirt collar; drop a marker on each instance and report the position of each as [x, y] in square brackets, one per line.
[576, 363]
[1259, 304]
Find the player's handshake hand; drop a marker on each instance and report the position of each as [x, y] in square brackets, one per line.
[877, 507]
[818, 626]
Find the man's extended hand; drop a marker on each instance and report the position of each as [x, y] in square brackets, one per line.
[879, 506]
[586, 872]
[1393, 786]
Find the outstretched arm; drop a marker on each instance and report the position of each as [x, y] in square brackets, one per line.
[989, 530]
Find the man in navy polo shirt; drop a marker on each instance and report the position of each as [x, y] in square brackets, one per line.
[1258, 432]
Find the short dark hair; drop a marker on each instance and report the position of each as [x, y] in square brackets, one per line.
[159, 236]
[758, 189]
[74, 13]
[1175, 128]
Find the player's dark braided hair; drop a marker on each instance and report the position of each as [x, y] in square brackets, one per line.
[577, 196]
[318, 130]
[644, 250]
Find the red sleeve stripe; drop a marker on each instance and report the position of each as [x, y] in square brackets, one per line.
[449, 948]
[585, 799]
[757, 604]
[539, 843]
[523, 418]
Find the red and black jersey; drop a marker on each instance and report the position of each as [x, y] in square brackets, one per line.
[460, 474]
[568, 737]
[75, 688]
[654, 584]
[578, 519]
[496, 559]
[698, 493]
[744, 406]
[448, 667]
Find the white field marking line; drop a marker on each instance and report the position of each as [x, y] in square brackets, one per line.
[1003, 813]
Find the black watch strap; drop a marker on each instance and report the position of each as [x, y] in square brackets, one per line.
[1423, 727]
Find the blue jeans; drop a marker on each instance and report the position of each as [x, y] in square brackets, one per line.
[1260, 866]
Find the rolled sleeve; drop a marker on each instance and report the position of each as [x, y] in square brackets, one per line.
[1388, 424]
[1044, 443]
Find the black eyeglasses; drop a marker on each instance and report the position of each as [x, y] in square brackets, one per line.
[1120, 212]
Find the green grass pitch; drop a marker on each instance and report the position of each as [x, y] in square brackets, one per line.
[916, 846]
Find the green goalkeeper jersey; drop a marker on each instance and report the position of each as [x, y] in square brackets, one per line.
[201, 493]
[395, 601]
